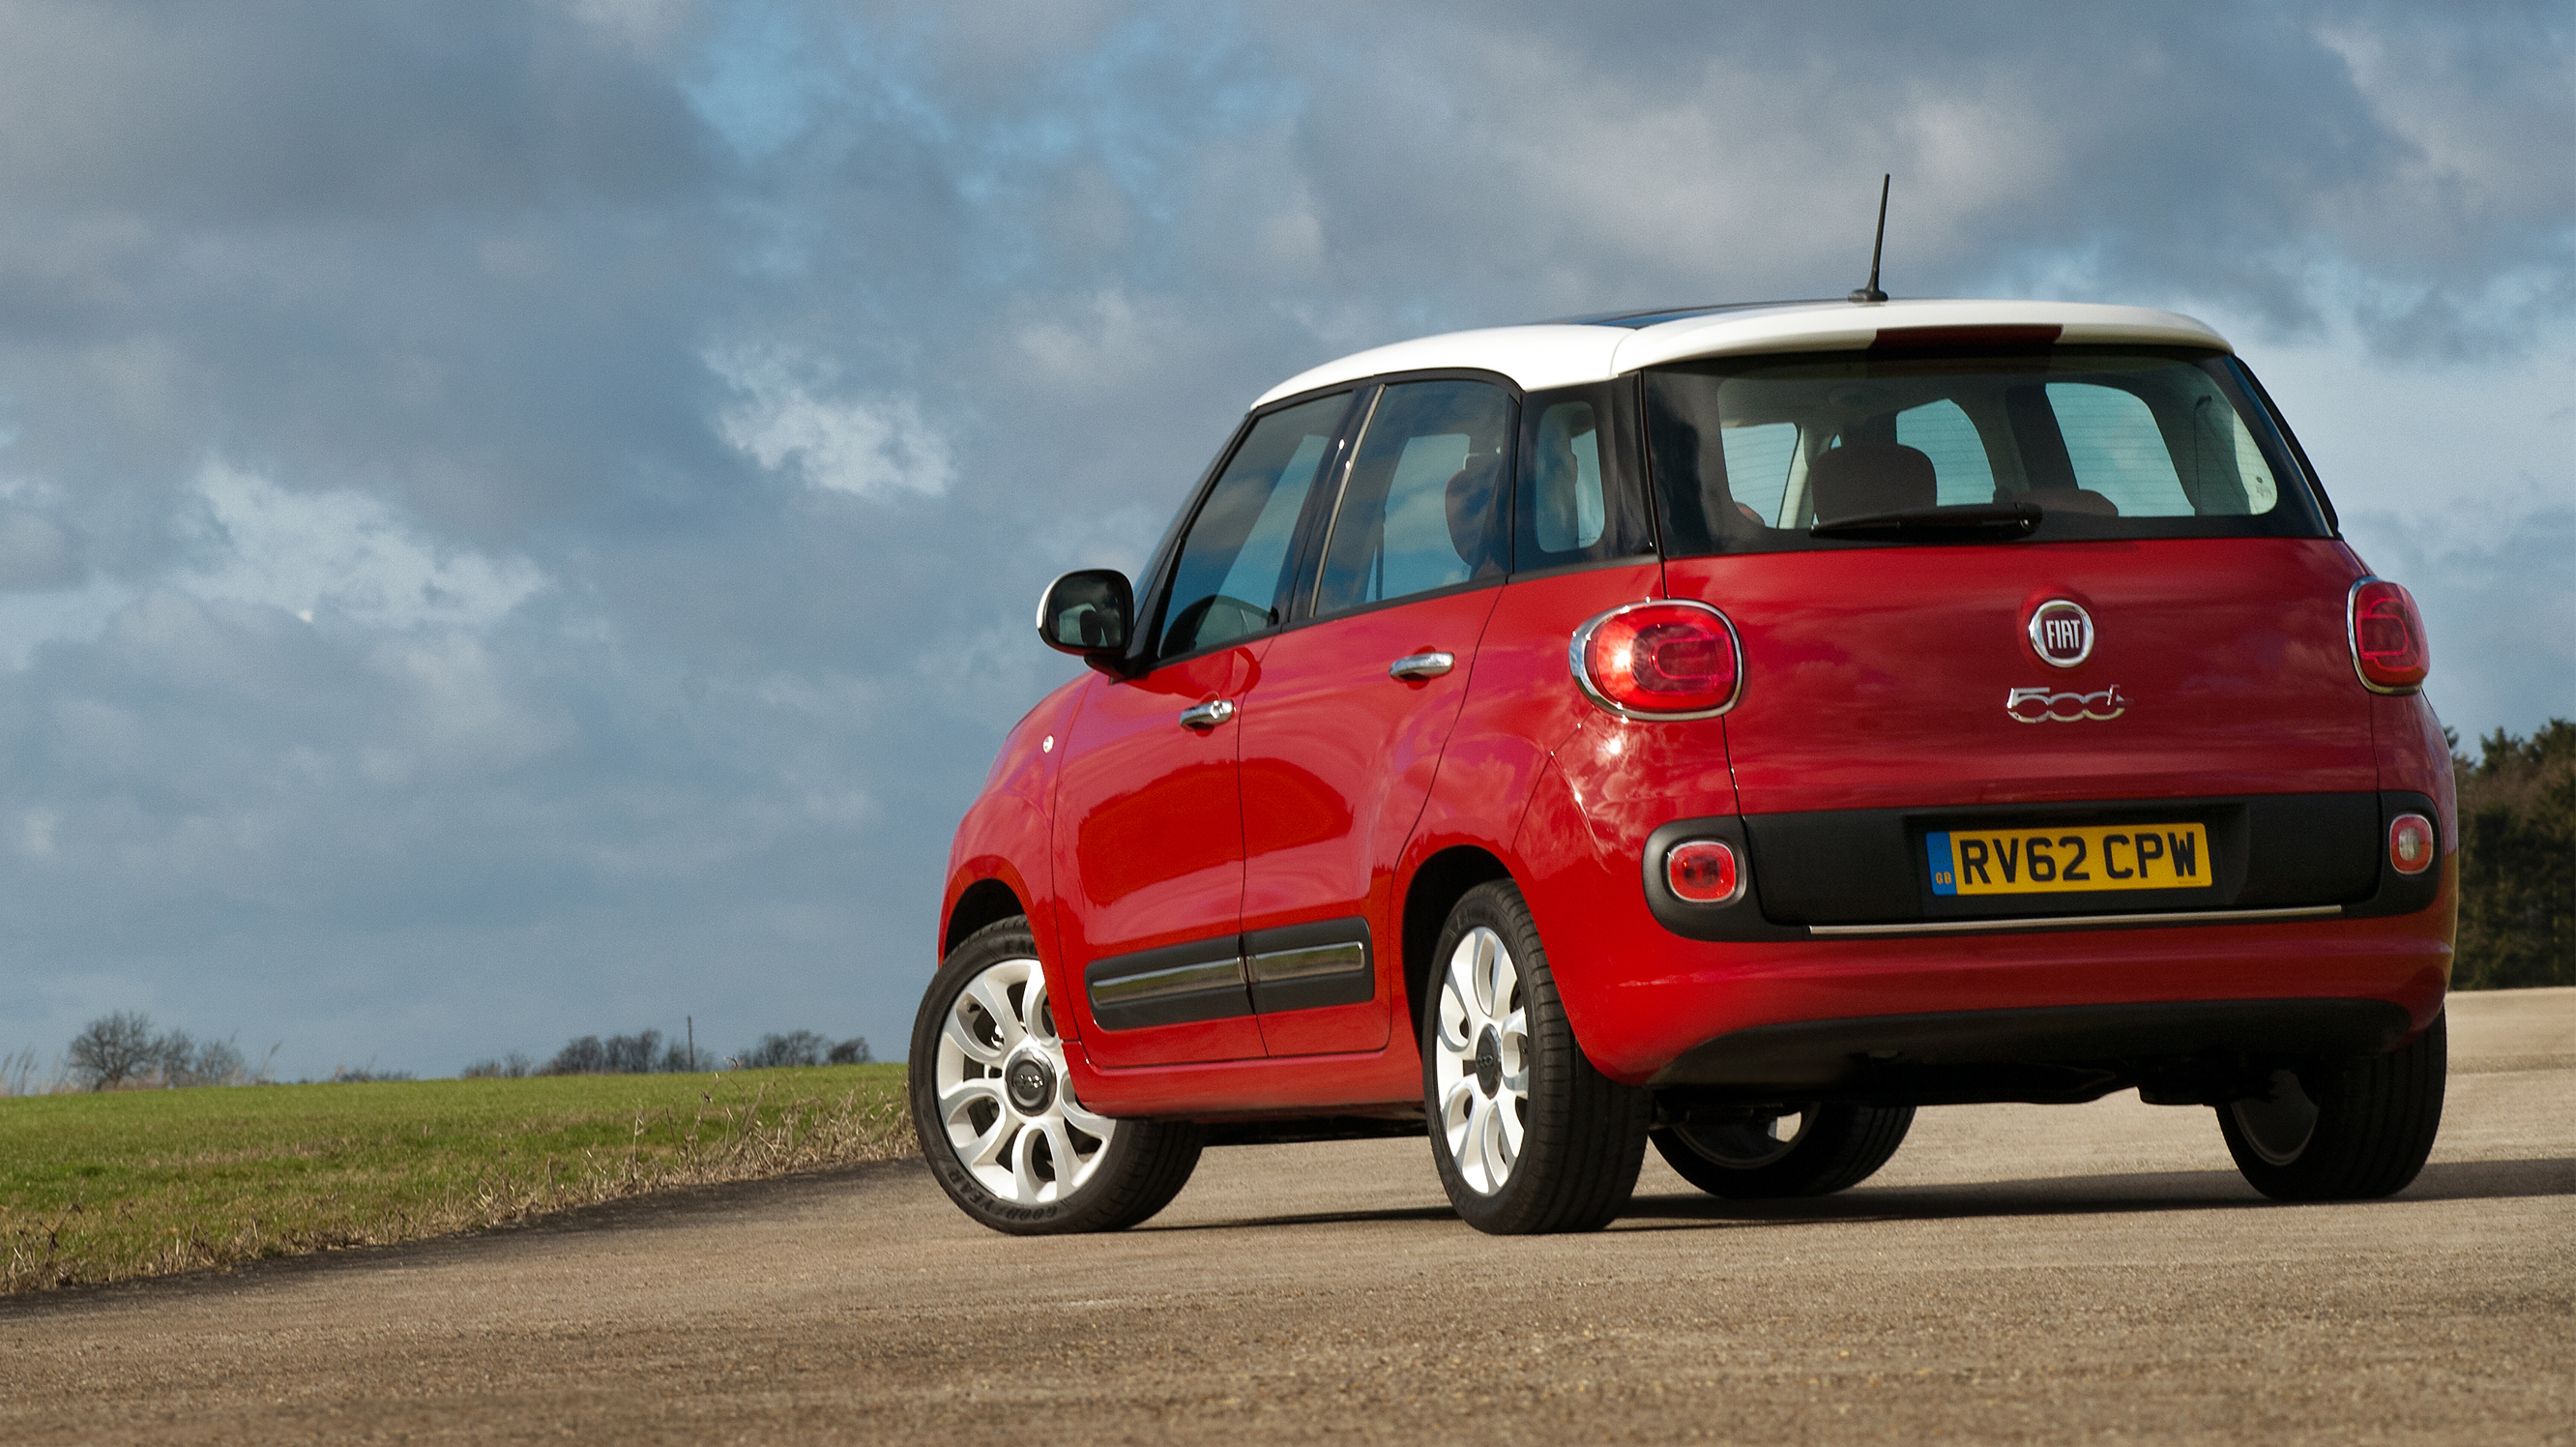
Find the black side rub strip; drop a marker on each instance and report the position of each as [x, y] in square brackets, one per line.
[1300, 967]
[1175, 985]
[1307, 965]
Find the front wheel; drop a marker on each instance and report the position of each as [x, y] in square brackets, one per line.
[1526, 1135]
[2344, 1131]
[1759, 1154]
[996, 1113]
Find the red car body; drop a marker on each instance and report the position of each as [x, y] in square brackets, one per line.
[1339, 806]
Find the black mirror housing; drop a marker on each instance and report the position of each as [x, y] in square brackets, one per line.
[1090, 613]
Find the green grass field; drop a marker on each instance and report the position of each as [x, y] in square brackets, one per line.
[138, 1183]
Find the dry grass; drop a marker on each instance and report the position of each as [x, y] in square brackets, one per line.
[97, 1188]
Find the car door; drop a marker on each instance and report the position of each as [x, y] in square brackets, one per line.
[1341, 735]
[1148, 817]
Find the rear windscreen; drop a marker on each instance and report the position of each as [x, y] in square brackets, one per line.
[1748, 454]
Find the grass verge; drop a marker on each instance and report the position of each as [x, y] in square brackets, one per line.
[100, 1188]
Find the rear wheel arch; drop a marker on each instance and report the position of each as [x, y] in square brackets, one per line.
[1436, 887]
[985, 902]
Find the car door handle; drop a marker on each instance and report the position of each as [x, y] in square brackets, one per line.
[1421, 665]
[1207, 715]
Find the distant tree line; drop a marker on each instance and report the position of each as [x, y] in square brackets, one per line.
[2518, 860]
[646, 1053]
[122, 1051]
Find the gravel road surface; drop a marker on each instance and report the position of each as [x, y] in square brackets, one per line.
[2017, 1273]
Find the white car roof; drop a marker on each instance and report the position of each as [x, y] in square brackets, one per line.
[1566, 354]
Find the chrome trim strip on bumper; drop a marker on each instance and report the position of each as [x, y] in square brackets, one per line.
[2068, 921]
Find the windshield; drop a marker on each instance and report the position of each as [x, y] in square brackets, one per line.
[1754, 454]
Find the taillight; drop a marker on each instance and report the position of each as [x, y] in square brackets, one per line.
[1703, 871]
[1674, 659]
[2412, 845]
[2389, 650]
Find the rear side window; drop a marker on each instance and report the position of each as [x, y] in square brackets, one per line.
[2114, 448]
[1747, 454]
[1423, 507]
[1576, 499]
[1943, 433]
[1232, 579]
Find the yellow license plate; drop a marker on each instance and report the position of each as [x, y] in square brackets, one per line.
[2070, 861]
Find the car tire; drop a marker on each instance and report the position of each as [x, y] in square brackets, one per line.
[1829, 1148]
[2348, 1130]
[996, 1114]
[1527, 1136]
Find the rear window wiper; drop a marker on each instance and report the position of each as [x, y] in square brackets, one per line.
[1986, 519]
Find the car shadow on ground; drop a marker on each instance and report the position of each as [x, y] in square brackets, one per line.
[2053, 1196]
[2088, 1195]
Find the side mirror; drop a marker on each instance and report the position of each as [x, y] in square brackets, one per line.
[1090, 613]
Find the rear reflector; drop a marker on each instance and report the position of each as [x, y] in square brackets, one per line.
[1673, 659]
[1703, 871]
[2411, 844]
[2389, 650]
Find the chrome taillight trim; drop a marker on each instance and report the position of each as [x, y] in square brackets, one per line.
[1732, 895]
[1583, 678]
[2352, 635]
[2432, 831]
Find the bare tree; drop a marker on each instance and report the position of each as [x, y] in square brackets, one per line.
[113, 1048]
[796, 1047]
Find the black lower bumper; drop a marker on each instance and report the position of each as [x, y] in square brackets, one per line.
[2182, 1052]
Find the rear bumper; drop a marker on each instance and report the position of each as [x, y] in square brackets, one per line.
[1651, 1006]
[2180, 1050]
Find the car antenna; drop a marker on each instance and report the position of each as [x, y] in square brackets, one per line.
[1871, 291]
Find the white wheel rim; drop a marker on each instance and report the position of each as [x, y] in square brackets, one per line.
[1480, 1061]
[1023, 1155]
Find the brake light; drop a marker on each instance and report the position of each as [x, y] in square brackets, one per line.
[2389, 650]
[1669, 659]
[1703, 871]
[2411, 844]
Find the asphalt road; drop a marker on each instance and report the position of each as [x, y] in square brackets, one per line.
[2017, 1273]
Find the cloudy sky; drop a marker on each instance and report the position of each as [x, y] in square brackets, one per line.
[518, 517]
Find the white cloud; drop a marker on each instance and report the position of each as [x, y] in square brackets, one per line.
[868, 446]
[342, 555]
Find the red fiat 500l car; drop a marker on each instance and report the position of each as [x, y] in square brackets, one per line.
[1729, 729]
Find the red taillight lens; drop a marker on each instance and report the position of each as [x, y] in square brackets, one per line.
[2412, 844]
[2388, 646]
[1703, 871]
[1667, 659]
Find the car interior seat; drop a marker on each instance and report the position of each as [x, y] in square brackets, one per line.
[1858, 479]
[2071, 499]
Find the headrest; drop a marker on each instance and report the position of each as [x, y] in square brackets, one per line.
[2071, 499]
[1472, 513]
[1861, 478]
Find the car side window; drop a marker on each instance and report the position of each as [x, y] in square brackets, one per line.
[1423, 506]
[1233, 575]
[1576, 500]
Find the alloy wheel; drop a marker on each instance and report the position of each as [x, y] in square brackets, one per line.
[1004, 1098]
[1481, 1065]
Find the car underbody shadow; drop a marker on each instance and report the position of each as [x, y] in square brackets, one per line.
[2138, 1193]
[2088, 1195]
